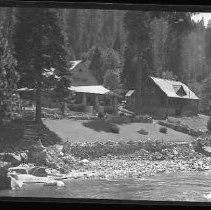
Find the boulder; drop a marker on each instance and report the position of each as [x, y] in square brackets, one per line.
[38, 171]
[66, 147]
[15, 184]
[5, 181]
[54, 183]
[68, 159]
[24, 156]
[18, 169]
[84, 161]
[11, 158]
[37, 156]
[206, 150]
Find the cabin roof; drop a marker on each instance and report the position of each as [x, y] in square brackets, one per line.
[74, 64]
[174, 89]
[129, 93]
[94, 89]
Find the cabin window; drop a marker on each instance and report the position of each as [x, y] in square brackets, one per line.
[179, 90]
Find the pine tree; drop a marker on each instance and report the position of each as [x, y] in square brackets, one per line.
[117, 43]
[180, 24]
[96, 65]
[8, 73]
[139, 40]
[39, 46]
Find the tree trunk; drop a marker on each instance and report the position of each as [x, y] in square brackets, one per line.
[38, 101]
[138, 91]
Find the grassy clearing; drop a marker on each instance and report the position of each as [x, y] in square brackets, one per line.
[99, 130]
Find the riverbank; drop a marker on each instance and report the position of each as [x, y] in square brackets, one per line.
[123, 160]
[41, 153]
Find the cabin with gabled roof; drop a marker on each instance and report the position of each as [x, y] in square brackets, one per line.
[165, 97]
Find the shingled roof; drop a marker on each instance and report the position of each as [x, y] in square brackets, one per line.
[174, 89]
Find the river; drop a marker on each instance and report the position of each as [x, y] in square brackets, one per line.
[186, 186]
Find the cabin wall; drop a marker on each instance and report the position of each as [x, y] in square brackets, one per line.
[82, 76]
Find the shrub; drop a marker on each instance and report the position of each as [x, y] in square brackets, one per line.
[163, 130]
[143, 119]
[77, 107]
[108, 109]
[121, 114]
[100, 115]
[114, 129]
[209, 124]
[144, 132]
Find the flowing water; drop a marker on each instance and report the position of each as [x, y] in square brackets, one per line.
[188, 186]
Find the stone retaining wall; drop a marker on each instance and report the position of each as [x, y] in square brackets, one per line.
[182, 128]
[99, 149]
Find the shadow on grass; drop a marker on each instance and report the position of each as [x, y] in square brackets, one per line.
[47, 136]
[98, 125]
[10, 135]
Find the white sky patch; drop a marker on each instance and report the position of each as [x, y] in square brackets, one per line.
[199, 16]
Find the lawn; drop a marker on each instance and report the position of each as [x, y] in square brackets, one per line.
[98, 130]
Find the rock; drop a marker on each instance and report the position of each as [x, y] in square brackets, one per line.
[52, 165]
[68, 159]
[24, 156]
[16, 184]
[66, 147]
[28, 178]
[206, 150]
[84, 161]
[60, 184]
[54, 183]
[18, 169]
[39, 144]
[5, 181]
[38, 171]
[61, 154]
[11, 158]
[38, 157]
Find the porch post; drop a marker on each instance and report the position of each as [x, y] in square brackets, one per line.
[84, 99]
[96, 102]
[115, 105]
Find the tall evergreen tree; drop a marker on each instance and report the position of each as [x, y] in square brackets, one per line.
[96, 64]
[8, 73]
[39, 46]
[180, 24]
[139, 40]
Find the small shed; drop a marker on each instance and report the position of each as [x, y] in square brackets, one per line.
[130, 99]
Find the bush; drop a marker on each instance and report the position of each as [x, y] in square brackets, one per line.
[108, 109]
[100, 115]
[114, 129]
[77, 107]
[144, 132]
[143, 119]
[163, 130]
[209, 124]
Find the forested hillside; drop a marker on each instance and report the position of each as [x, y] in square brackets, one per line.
[120, 47]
